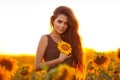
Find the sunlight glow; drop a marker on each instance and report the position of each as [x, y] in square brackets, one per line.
[23, 22]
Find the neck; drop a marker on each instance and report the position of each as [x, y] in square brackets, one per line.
[56, 37]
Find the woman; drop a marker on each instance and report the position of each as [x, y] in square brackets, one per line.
[64, 28]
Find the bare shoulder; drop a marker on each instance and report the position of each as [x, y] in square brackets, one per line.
[43, 39]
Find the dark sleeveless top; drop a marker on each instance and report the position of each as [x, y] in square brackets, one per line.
[52, 52]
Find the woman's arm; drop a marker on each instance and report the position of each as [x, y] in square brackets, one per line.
[40, 53]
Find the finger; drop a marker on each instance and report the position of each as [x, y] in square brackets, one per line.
[69, 56]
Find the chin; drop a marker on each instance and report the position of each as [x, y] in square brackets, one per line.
[61, 32]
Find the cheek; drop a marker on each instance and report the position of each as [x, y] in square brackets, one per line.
[66, 27]
[55, 24]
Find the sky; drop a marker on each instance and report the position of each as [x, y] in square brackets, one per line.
[22, 22]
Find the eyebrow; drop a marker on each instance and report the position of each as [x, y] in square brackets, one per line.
[62, 21]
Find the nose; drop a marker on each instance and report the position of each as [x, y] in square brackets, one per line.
[62, 25]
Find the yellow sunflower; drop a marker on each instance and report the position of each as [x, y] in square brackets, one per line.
[101, 60]
[64, 47]
[25, 69]
[9, 64]
[4, 75]
[64, 72]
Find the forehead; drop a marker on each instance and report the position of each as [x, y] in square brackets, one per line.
[62, 18]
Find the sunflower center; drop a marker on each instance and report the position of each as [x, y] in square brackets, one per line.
[100, 60]
[7, 64]
[119, 55]
[65, 47]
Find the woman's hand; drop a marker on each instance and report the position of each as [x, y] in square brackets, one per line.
[62, 57]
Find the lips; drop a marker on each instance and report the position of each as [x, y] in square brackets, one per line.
[61, 30]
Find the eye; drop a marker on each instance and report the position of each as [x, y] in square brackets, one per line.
[59, 21]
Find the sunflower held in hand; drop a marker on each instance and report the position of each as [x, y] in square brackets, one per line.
[64, 47]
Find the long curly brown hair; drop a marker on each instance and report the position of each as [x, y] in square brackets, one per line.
[71, 35]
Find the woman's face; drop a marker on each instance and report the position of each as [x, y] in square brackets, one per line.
[60, 24]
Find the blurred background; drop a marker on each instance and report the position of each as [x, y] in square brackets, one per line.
[22, 22]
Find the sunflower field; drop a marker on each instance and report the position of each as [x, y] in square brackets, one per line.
[98, 66]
